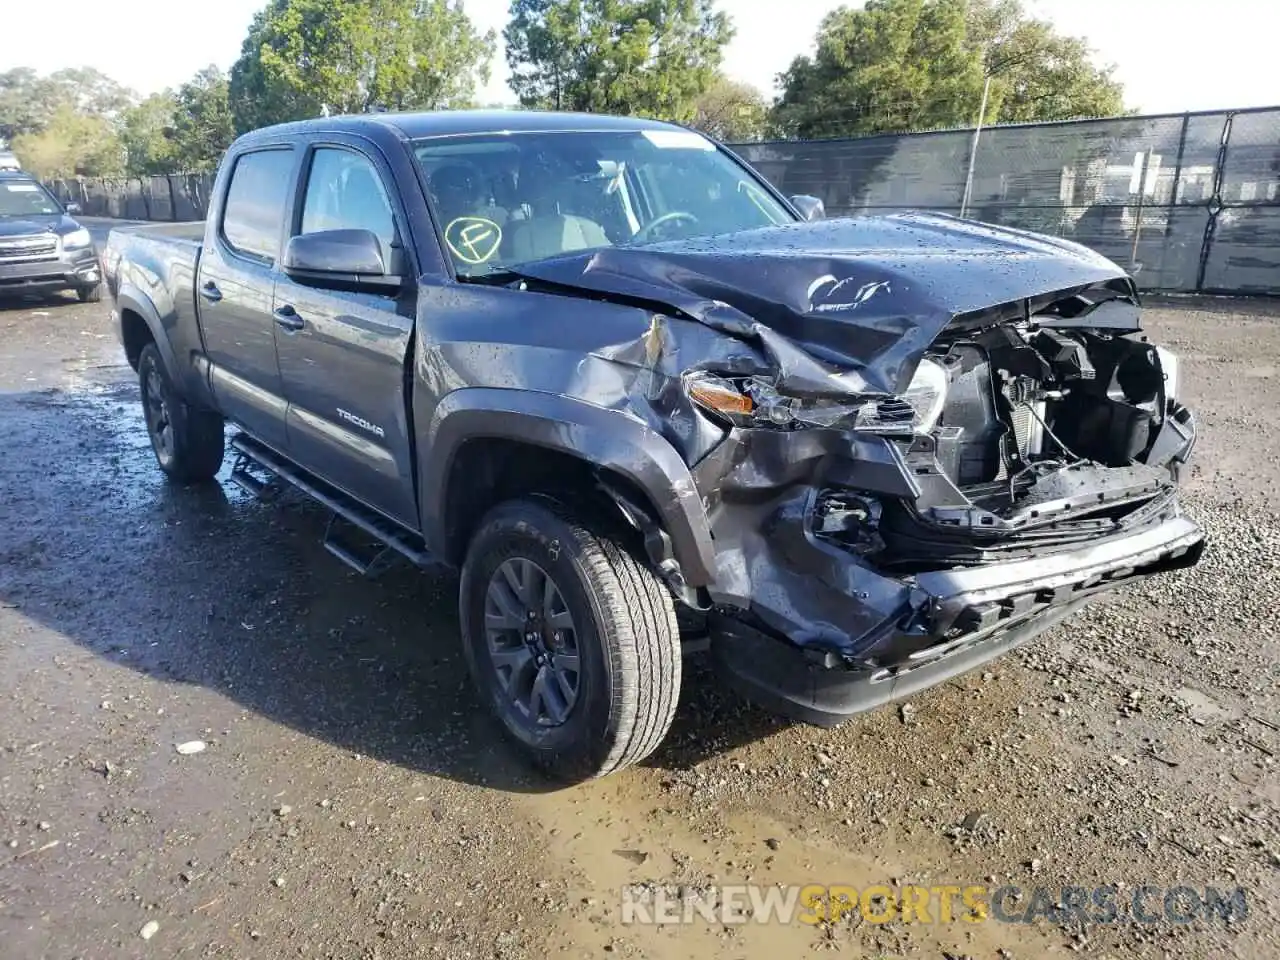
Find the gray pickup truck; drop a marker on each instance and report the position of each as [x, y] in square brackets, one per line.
[646, 405]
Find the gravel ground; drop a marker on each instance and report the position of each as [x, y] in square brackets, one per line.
[350, 802]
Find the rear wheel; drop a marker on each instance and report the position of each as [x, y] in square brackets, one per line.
[572, 642]
[188, 442]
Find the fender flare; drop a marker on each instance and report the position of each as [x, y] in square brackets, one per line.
[129, 297]
[606, 438]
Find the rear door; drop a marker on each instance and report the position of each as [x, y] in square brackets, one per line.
[342, 352]
[235, 286]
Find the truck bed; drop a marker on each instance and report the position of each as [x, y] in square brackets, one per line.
[150, 270]
[160, 258]
[191, 231]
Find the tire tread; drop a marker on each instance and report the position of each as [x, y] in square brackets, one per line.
[638, 633]
[199, 440]
[647, 650]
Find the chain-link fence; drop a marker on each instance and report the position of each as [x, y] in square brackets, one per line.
[1188, 202]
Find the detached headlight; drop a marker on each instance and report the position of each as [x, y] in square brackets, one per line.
[916, 411]
[77, 239]
[754, 401]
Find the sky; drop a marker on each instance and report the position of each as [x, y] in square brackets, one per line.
[1171, 55]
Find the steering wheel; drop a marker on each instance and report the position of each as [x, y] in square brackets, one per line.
[669, 217]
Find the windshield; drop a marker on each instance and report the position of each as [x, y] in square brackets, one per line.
[507, 199]
[22, 198]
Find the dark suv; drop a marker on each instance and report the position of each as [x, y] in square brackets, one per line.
[42, 249]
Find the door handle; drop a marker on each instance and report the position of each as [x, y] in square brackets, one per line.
[288, 317]
[209, 290]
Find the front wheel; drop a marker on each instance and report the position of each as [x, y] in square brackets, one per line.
[187, 441]
[572, 642]
[91, 294]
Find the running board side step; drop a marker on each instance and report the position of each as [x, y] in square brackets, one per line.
[381, 554]
[259, 488]
[389, 536]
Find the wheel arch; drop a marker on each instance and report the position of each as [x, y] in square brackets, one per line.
[140, 321]
[627, 461]
[139, 325]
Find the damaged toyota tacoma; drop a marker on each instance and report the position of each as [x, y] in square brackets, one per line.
[647, 405]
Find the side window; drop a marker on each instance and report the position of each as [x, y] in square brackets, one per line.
[344, 192]
[254, 210]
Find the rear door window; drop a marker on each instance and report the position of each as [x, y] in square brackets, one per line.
[254, 213]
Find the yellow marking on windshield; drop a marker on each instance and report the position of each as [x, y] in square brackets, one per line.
[473, 239]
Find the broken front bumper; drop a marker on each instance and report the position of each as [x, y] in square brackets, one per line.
[951, 622]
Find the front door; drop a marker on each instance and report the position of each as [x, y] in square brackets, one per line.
[342, 353]
[234, 290]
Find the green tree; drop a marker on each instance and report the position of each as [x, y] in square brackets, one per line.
[203, 127]
[910, 64]
[26, 102]
[303, 58]
[90, 92]
[145, 133]
[897, 64]
[645, 57]
[1036, 73]
[71, 144]
[29, 101]
[732, 112]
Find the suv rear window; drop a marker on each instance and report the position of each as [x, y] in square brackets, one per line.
[253, 216]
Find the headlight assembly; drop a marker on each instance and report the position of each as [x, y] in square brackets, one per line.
[77, 239]
[755, 402]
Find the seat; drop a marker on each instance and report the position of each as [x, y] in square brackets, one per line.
[550, 234]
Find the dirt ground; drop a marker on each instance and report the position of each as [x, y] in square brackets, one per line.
[353, 803]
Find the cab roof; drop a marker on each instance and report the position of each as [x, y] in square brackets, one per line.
[448, 123]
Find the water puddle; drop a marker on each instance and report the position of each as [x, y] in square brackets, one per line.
[622, 839]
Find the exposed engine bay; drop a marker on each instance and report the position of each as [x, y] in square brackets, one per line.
[1027, 436]
[1015, 439]
[1019, 435]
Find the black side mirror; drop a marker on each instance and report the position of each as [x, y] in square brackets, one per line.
[811, 208]
[73, 209]
[350, 259]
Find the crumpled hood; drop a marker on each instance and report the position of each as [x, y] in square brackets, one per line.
[840, 306]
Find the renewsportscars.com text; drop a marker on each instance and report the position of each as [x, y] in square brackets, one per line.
[943, 903]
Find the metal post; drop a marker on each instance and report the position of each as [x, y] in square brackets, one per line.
[973, 148]
[173, 197]
[1177, 167]
[1142, 202]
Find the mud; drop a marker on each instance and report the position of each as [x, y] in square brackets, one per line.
[353, 802]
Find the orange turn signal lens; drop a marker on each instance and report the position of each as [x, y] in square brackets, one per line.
[721, 397]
